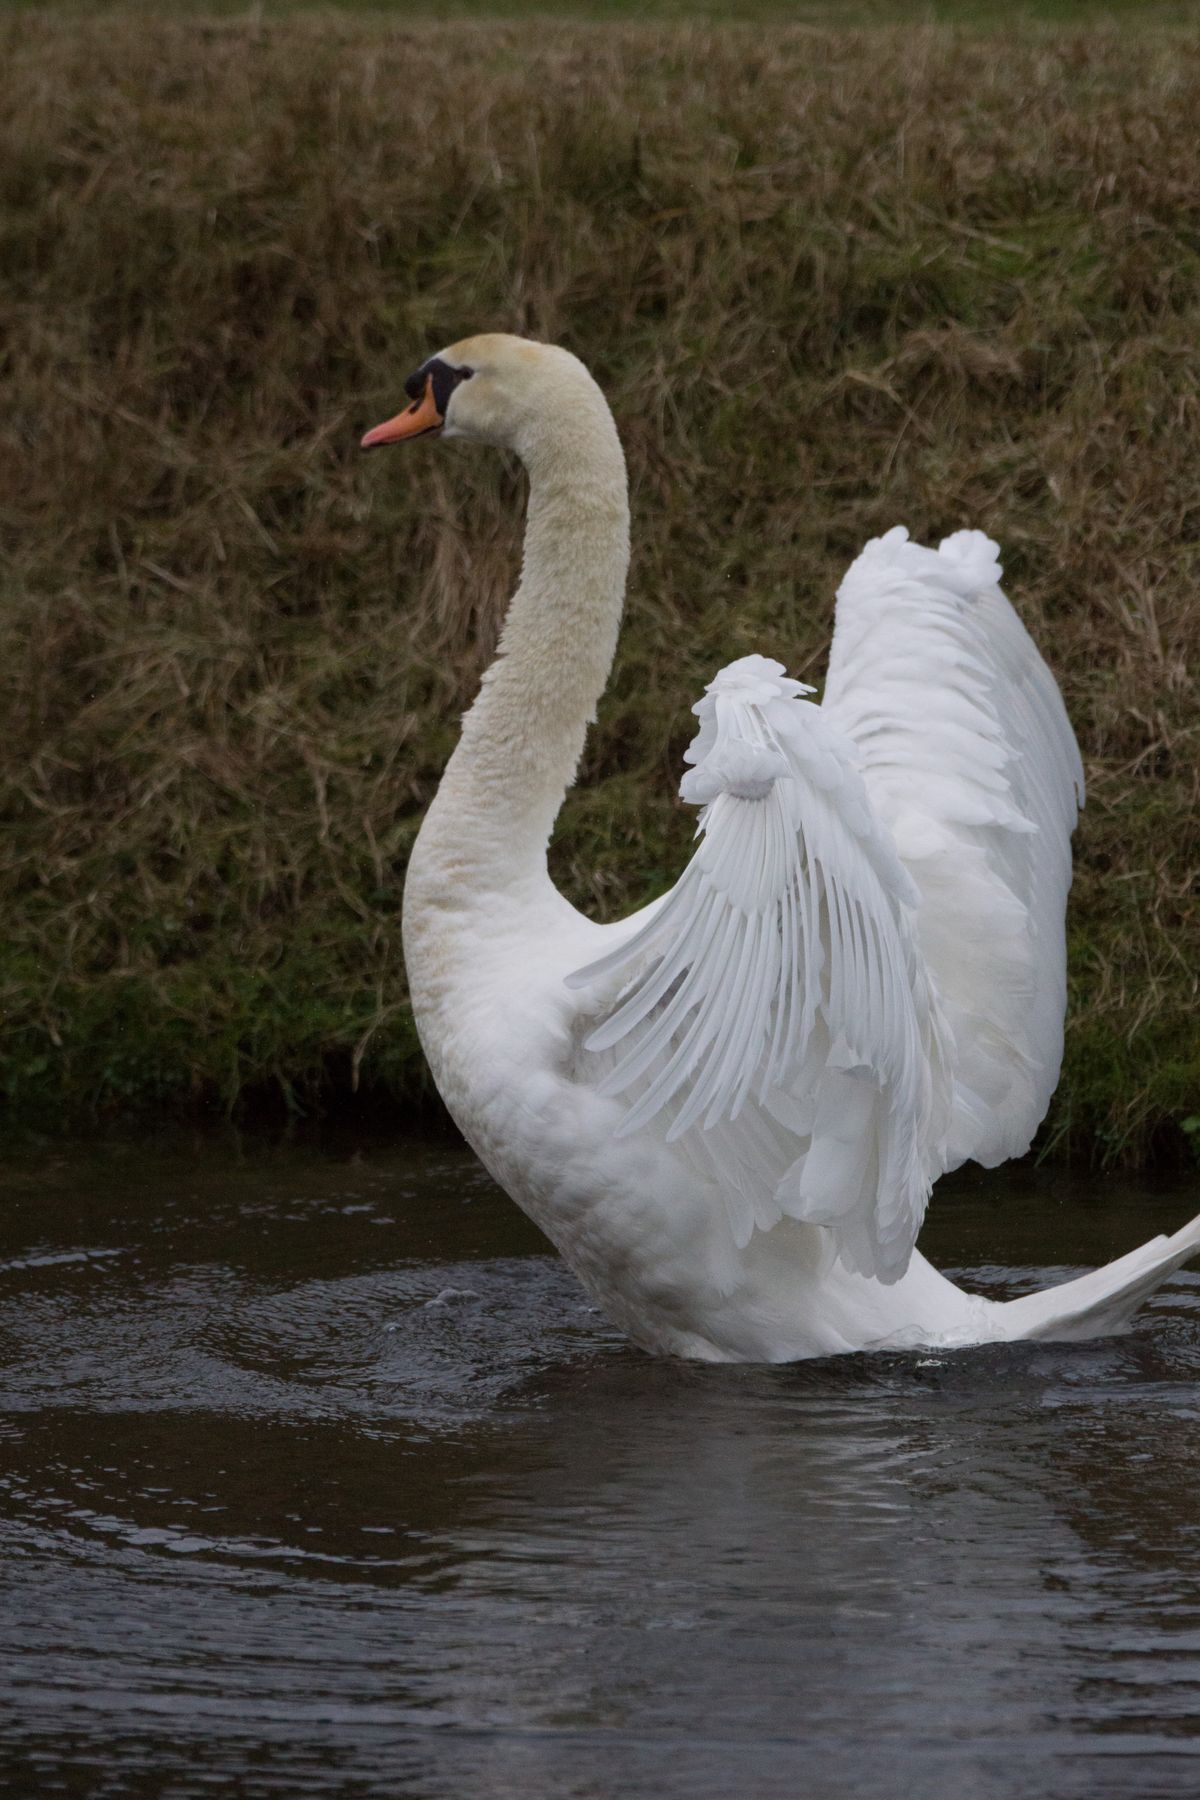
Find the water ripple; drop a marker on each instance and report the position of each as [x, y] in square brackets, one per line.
[319, 1475]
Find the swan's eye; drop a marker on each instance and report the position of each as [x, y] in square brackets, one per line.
[445, 378]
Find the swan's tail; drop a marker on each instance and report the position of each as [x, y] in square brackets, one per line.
[1104, 1300]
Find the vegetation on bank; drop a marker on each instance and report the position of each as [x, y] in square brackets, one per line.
[830, 281]
[997, 16]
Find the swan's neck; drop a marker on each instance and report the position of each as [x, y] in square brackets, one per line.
[489, 826]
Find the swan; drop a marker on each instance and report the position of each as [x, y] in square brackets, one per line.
[727, 1111]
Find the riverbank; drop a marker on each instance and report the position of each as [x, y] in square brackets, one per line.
[830, 280]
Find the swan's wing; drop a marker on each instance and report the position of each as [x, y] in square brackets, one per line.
[970, 761]
[772, 1017]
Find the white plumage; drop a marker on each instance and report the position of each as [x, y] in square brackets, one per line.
[728, 1111]
[774, 1008]
[969, 758]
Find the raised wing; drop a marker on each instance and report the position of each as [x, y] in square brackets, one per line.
[970, 762]
[772, 1017]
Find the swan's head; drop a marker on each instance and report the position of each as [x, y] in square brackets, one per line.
[493, 389]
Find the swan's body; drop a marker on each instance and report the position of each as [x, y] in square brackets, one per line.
[727, 1111]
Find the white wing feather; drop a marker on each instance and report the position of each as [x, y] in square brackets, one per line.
[971, 764]
[859, 979]
[773, 1013]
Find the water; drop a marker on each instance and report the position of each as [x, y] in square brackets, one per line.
[320, 1477]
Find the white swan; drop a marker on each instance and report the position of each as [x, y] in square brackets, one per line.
[727, 1111]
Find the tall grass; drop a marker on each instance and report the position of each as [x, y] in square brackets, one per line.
[997, 16]
[830, 281]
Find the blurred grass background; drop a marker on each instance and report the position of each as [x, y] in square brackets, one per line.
[831, 279]
[996, 16]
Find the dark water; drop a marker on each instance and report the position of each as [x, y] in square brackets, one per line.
[320, 1477]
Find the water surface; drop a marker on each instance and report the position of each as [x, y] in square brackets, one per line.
[319, 1475]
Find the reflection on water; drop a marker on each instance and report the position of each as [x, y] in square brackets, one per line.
[318, 1476]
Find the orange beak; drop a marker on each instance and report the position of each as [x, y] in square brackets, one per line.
[421, 417]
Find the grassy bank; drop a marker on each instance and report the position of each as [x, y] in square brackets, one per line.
[830, 281]
[998, 17]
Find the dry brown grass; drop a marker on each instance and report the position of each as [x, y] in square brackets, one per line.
[829, 281]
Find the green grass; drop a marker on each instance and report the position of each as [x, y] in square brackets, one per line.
[830, 280]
